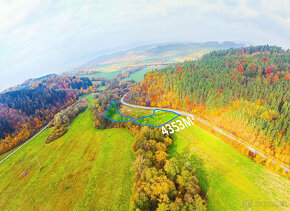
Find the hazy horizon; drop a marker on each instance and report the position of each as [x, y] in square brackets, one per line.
[39, 38]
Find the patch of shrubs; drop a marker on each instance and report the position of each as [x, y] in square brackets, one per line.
[63, 119]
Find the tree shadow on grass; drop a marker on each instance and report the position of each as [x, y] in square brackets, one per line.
[197, 163]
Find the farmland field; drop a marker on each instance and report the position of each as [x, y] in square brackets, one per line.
[86, 168]
[138, 75]
[158, 118]
[101, 87]
[231, 180]
[134, 112]
[113, 114]
[105, 75]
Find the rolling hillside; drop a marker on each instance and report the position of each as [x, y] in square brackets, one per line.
[231, 180]
[86, 168]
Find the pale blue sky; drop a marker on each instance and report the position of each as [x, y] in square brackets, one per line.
[39, 37]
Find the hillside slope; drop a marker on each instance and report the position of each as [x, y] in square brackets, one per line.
[231, 180]
[86, 168]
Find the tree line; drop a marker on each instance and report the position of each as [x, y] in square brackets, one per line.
[63, 119]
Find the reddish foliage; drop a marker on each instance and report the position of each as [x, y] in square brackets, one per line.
[240, 68]
[220, 91]
[154, 97]
[144, 86]
[243, 61]
[235, 75]
[188, 69]
[194, 69]
[65, 85]
[269, 70]
[38, 122]
[187, 101]
[281, 133]
[253, 67]
[276, 78]
[179, 68]
[265, 59]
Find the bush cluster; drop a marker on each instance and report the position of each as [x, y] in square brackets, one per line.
[62, 120]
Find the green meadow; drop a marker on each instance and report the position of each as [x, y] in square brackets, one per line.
[158, 119]
[138, 75]
[113, 114]
[231, 180]
[105, 75]
[134, 112]
[85, 169]
[101, 88]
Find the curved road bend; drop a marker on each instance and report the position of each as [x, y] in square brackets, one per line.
[208, 124]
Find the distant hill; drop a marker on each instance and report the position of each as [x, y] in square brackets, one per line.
[29, 83]
[153, 55]
[156, 54]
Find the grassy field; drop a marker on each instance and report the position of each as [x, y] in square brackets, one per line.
[134, 112]
[159, 118]
[113, 114]
[232, 181]
[101, 87]
[106, 75]
[136, 76]
[7, 153]
[139, 75]
[85, 169]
